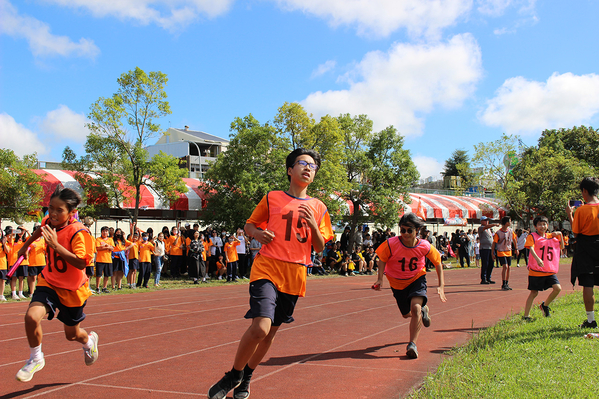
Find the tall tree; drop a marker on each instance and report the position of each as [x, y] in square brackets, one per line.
[120, 128]
[378, 172]
[21, 192]
[458, 157]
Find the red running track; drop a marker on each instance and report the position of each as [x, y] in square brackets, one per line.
[347, 340]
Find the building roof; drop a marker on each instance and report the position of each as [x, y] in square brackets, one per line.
[201, 135]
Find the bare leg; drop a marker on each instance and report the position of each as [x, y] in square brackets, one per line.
[263, 348]
[76, 333]
[416, 314]
[251, 340]
[556, 290]
[33, 328]
[529, 301]
[588, 296]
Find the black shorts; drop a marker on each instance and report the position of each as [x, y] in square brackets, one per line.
[542, 283]
[404, 297]
[34, 270]
[589, 279]
[133, 264]
[103, 268]
[89, 271]
[267, 301]
[505, 260]
[22, 271]
[70, 316]
[118, 265]
[3, 275]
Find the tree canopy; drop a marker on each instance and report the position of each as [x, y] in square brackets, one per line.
[21, 192]
[120, 128]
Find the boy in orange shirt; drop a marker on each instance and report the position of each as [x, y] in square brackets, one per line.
[63, 285]
[104, 247]
[287, 223]
[585, 263]
[230, 249]
[145, 260]
[37, 260]
[505, 241]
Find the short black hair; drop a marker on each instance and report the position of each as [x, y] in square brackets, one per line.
[505, 220]
[69, 196]
[410, 219]
[104, 228]
[540, 219]
[290, 161]
[591, 184]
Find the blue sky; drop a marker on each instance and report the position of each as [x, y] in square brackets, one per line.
[447, 74]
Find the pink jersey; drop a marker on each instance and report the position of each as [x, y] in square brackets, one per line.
[405, 262]
[548, 249]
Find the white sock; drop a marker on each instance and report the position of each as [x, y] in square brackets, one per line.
[89, 344]
[14, 293]
[591, 316]
[36, 353]
[20, 292]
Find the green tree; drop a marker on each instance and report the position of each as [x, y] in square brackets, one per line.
[378, 173]
[457, 158]
[120, 127]
[21, 191]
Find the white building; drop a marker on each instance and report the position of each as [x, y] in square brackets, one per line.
[198, 149]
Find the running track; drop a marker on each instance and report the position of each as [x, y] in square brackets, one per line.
[347, 341]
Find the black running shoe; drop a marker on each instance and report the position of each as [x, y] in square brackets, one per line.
[221, 388]
[412, 351]
[586, 324]
[243, 390]
[545, 309]
[426, 318]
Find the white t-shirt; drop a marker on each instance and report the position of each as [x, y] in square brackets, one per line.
[241, 247]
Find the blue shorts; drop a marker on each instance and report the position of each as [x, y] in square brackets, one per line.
[70, 316]
[542, 283]
[404, 297]
[133, 264]
[267, 301]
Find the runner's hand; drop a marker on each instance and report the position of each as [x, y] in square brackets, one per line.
[265, 236]
[441, 293]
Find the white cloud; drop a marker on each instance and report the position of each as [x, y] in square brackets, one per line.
[63, 123]
[524, 106]
[382, 17]
[37, 33]
[168, 14]
[18, 138]
[324, 68]
[493, 7]
[393, 87]
[428, 166]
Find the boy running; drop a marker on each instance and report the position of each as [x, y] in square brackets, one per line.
[543, 264]
[287, 224]
[504, 241]
[63, 285]
[585, 264]
[402, 259]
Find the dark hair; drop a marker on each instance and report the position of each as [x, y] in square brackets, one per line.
[540, 219]
[591, 184]
[410, 219]
[68, 196]
[104, 228]
[144, 234]
[290, 161]
[505, 220]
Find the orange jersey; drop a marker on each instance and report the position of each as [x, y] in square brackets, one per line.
[70, 283]
[586, 220]
[119, 245]
[175, 245]
[231, 251]
[207, 245]
[104, 254]
[284, 260]
[145, 251]
[134, 250]
[14, 254]
[407, 256]
[504, 240]
[3, 259]
[219, 265]
[37, 252]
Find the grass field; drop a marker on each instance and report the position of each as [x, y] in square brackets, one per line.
[545, 358]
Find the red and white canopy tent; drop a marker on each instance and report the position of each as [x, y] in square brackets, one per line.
[437, 206]
[193, 199]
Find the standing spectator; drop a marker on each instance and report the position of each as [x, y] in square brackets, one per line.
[345, 239]
[159, 252]
[197, 267]
[231, 254]
[477, 251]
[3, 265]
[486, 242]
[23, 270]
[462, 243]
[216, 249]
[505, 242]
[145, 258]
[585, 264]
[104, 247]
[37, 260]
[176, 246]
[133, 256]
[471, 241]
[522, 250]
[241, 251]
[255, 246]
[120, 263]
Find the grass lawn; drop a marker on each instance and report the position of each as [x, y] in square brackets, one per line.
[545, 358]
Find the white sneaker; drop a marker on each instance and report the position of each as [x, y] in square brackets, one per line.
[29, 369]
[16, 297]
[2, 298]
[22, 296]
[91, 355]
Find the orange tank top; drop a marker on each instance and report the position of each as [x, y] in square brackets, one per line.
[58, 272]
[293, 237]
[37, 252]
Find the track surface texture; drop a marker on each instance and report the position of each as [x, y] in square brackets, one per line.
[347, 340]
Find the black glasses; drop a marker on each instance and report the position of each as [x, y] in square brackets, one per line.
[303, 163]
[409, 230]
